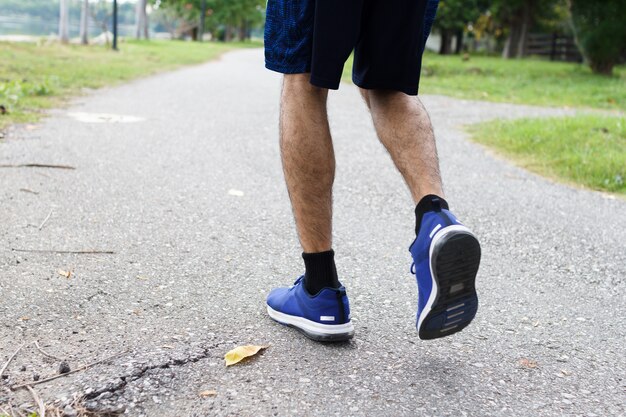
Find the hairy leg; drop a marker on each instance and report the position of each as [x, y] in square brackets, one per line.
[404, 128]
[308, 160]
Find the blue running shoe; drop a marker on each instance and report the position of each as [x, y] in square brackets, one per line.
[446, 256]
[324, 317]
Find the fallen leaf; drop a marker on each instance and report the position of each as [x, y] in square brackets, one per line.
[167, 347]
[528, 363]
[208, 393]
[142, 278]
[66, 274]
[240, 353]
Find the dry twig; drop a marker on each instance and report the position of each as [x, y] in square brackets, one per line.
[45, 220]
[26, 190]
[38, 401]
[43, 352]
[82, 368]
[36, 166]
[76, 252]
[10, 359]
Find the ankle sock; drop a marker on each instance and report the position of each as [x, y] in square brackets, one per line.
[428, 203]
[320, 271]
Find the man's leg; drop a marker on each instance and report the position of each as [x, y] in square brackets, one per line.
[316, 304]
[308, 160]
[404, 128]
[447, 300]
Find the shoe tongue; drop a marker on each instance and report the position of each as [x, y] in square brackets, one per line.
[436, 204]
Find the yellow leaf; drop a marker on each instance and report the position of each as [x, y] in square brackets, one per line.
[208, 393]
[239, 353]
[66, 274]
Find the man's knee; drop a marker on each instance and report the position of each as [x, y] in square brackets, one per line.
[386, 96]
[301, 84]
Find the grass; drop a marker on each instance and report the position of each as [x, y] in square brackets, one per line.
[37, 77]
[589, 150]
[523, 81]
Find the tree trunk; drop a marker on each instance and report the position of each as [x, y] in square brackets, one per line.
[228, 35]
[243, 32]
[146, 26]
[512, 41]
[446, 42]
[459, 42]
[141, 20]
[525, 25]
[202, 20]
[84, 23]
[64, 21]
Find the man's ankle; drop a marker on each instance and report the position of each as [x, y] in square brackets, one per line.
[430, 202]
[320, 271]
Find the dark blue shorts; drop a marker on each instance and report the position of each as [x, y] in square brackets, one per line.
[317, 36]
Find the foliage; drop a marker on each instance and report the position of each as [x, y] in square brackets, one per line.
[222, 16]
[586, 149]
[455, 15]
[12, 91]
[601, 31]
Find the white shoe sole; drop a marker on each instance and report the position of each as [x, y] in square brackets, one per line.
[313, 330]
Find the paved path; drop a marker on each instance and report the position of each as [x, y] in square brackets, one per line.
[194, 260]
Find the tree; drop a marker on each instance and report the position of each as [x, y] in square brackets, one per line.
[452, 20]
[600, 32]
[141, 20]
[517, 18]
[64, 24]
[224, 19]
[84, 22]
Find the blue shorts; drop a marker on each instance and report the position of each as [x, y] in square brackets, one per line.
[317, 36]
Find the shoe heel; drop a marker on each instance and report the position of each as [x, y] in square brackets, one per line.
[456, 260]
[445, 321]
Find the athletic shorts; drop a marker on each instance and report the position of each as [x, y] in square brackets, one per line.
[317, 36]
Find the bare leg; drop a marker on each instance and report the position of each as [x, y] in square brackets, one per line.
[308, 160]
[404, 128]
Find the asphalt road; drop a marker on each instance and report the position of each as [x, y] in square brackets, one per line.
[188, 194]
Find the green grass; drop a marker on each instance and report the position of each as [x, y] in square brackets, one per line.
[589, 150]
[524, 81]
[36, 77]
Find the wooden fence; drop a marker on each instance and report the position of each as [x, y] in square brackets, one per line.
[553, 46]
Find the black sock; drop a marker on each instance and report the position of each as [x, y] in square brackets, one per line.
[320, 271]
[430, 202]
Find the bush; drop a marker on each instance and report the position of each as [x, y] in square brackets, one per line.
[601, 32]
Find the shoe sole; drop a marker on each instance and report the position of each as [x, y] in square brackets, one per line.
[315, 331]
[452, 304]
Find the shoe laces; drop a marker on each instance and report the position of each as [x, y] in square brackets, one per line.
[297, 281]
